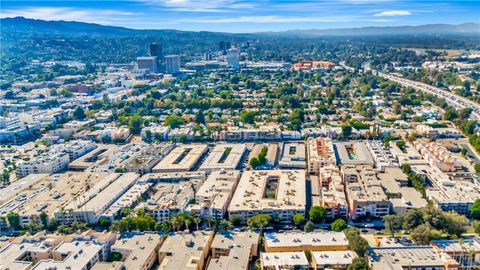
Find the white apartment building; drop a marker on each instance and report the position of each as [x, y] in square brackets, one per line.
[272, 192]
[46, 163]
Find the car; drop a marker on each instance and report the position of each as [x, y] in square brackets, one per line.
[237, 230]
[288, 227]
[269, 228]
[364, 231]
[378, 232]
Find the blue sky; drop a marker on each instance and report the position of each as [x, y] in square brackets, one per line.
[247, 15]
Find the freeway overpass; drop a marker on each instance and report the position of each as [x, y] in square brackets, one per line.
[453, 99]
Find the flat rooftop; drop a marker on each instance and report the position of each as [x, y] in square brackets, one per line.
[64, 189]
[469, 245]
[103, 192]
[404, 257]
[128, 199]
[139, 247]
[353, 153]
[224, 156]
[240, 247]
[19, 186]
[281, 259]
[217, 188]
[368, 188]
[293, 155]
[340, 257]
[183, 158]
[184, 250]
[172, 176]
[270, 189]
[303, 239]
[174, 195]
[79, 255]
[10, 255]
[91, 158]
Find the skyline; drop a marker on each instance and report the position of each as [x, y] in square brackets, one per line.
[247, 16]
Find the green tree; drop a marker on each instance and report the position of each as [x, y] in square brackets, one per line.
[346, 131]
[317, 213]
[456, 224]
[235, 219]
[359, 263]
[248, 117]
[476, 226]
[225, 225]
[174, 121]
[423, 234]
[259, 221]
[400, 144]
[475, 209]
[450, 114]
[298, 219]
[79, 113]
[309, 226]
[13, 220]
[115, 256]
[104, 223]
[254, 162]
[356, 242]
[44, 219]
[339, 225]
[393, 223]
[135, 123]
[412, 219]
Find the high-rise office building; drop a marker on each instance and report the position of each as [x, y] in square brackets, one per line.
[172, 64]
[156, 50]
[233, 58]
[149, 63]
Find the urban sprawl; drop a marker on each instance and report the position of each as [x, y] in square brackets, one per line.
[220, 161]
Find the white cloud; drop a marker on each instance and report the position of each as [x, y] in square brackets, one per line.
[200, 5]
[103, 16]
[278, 19]
[387, 13]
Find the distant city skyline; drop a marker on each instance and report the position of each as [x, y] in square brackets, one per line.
[246, 15]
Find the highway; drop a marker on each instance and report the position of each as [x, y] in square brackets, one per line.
[451, 98]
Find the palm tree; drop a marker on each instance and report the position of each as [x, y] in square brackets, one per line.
[176, 222]
[197, 220]
[187, 223]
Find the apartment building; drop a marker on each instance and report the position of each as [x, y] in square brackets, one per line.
[139, 251]
[292, 155]
[56, 194]
[402, 197]
[365, 195]
[95, 201]
[215, 193]
[329, 192]
[233, 251]
[185, 251]
[283, 260]
[338, 260]
[273, 192]
[168, 198]
[381, 155]
[224, 157]
[46, 163]
[301, 241]
[437, 155]
[320, 154]
[465, 252]
[80, 255]
[409, 257]
[181, 159]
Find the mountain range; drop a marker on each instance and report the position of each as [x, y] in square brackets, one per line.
[32, 26]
